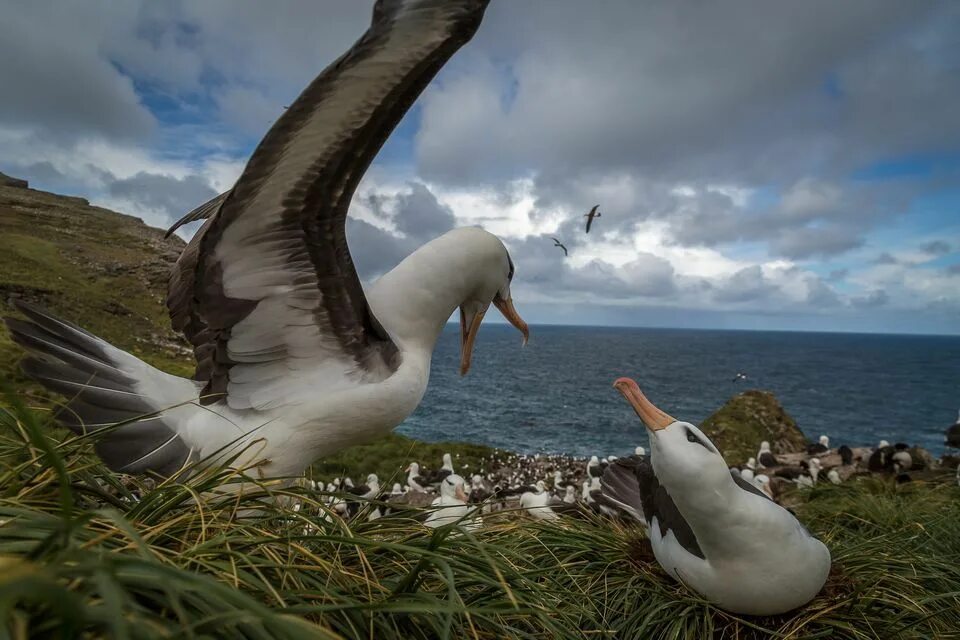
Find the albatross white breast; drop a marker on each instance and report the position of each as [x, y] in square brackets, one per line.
[294, 359]
[712, 531]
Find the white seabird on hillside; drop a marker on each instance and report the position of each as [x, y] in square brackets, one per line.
[822, 446]
[451, 507]
[815, 468]
[414, 480]
[537, 503]
[720, 537]
[765, 457]
[294, 359]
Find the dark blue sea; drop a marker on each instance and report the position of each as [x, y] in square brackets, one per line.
[555, 394]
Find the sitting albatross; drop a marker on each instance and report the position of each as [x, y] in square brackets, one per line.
[723, 539]
[294, 362]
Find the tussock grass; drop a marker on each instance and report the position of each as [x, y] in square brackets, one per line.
[80, 558]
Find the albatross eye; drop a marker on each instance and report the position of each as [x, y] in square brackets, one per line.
[692, 437]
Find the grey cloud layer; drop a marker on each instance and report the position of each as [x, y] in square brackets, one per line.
[733, 125]
[793, 97]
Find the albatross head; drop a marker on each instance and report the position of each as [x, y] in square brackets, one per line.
[452, 487]
[492, 286]
[466, 268]
[683, 457]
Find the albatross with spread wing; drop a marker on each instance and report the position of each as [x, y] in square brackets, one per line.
[292, 357]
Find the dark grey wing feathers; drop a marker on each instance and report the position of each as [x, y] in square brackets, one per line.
[748, 486]
[204, 211]
[654, 500]
[75, 363]
[288, 208]
[619, 488]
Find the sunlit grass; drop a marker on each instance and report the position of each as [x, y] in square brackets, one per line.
[79, 557]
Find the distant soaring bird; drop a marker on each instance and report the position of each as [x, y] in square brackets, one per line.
[591, 215]
[739, 377]
[294, 359]
[716, 533]
[557, 243]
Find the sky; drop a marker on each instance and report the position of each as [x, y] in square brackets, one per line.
[758, 165]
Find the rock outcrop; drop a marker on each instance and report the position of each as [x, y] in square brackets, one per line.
[17, 183]
[749, 418]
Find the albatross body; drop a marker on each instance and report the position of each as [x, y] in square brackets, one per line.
[294, 359]
[720, 537]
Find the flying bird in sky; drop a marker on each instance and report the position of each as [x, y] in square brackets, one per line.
[591, 215]
[294, 358]
[557, 243]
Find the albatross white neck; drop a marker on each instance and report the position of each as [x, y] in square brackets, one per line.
[415, 299]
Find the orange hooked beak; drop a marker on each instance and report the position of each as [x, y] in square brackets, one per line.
[459, 492]
[654, 418]
[469, 327]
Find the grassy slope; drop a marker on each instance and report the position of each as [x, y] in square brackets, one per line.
[73, 556]
[102, 270]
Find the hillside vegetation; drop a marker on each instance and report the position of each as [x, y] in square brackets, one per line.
[102, 270]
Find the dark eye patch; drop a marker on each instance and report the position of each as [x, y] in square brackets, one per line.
[692, 437]
[510, 262]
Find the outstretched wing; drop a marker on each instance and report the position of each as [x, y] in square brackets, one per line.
[590, 216]
[204, 211]
[266, 291]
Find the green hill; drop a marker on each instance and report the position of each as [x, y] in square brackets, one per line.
[100, 269]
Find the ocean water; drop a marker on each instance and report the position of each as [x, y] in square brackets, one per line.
[555, 395]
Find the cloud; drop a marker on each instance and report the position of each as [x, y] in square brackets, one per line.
[747, 284]
[820, 295]
[58, 83]
[936, 248]
[838, 274]
[655, 105]
[747, 158]
[406, 218]
[163, 194]
[872, 300]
